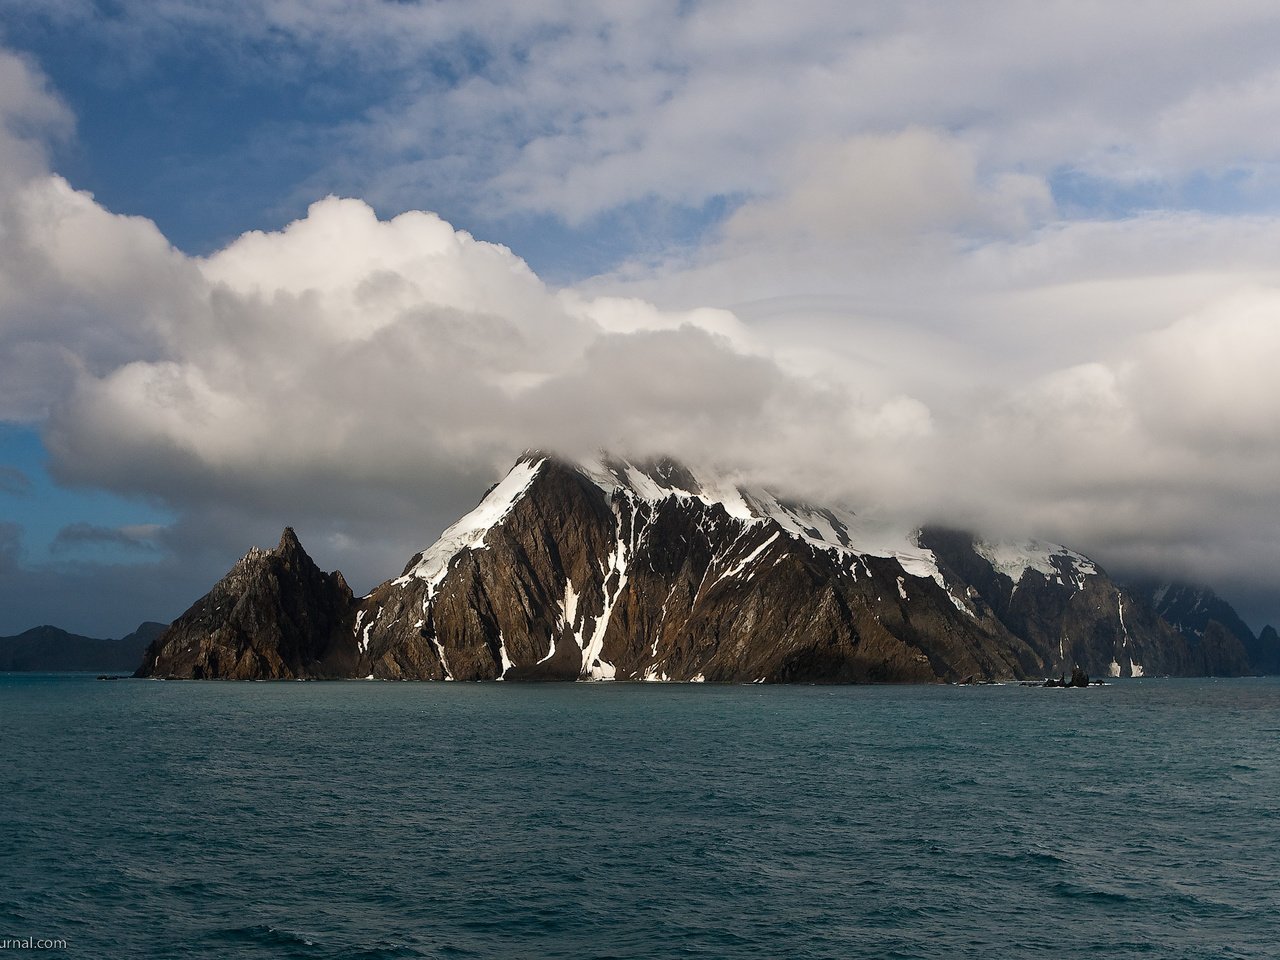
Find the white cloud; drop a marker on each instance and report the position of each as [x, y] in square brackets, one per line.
[896, 311]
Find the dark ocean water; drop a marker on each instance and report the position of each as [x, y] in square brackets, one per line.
[377, 820]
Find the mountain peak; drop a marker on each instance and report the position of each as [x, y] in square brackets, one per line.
[289, 543]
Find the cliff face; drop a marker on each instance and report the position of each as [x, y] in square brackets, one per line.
[620, 570]
[274, 616]
[1066, 607]
[1225, 645]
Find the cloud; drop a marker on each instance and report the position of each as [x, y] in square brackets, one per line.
[353, 374]
[575, 110]
[897, 309]
[77, 536]
[14, 482]
[30, 117]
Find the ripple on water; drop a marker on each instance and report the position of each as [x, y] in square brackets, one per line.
[418, 820]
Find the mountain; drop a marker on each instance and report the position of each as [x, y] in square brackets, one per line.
[1230, 646]
[274, 616]
[1268, 658]
[615, 569]
[1070, 611]
[51, 649]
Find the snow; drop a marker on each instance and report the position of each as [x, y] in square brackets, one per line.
[364, 637]
[1135, 668]
[593, 666]
[444, 664]
[469, 532]
[747, 560]
[1014, 558]
[551, 649]
[960, 605]
[902, 589]
[507, 664]
[570, 605]
[1115, 667]
[834, 529]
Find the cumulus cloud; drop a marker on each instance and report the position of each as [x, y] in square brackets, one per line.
[897, 310]
[365, 378]
[357, 374]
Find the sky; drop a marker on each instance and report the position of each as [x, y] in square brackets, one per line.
[336, 263]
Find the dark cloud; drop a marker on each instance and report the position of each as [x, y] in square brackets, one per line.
[77, 536]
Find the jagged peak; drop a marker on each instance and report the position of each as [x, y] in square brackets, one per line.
[288, 547]
[289, 542]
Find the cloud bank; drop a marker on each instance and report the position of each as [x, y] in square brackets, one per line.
[905, 305]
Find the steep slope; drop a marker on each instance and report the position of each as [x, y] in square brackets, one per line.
[1225, 645]
[1267, 659]
[642, 571]
[275, 615]
[1065, 606]
[52, 649]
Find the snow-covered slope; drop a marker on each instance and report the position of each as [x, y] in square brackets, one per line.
[1014, 558]
[826, 528]
[469, 532]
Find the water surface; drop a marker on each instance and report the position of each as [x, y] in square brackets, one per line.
[336, 820]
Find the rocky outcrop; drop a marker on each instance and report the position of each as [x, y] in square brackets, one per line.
[1265, 658]
[617, 576]
[274, 616]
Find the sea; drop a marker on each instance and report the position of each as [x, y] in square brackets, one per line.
[149, 819]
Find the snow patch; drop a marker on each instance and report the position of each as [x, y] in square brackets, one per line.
[1135, 668]
[1014, 558]
[469, 532]
[834, 529]
[444, 664]
[747, 560]
[503, 657]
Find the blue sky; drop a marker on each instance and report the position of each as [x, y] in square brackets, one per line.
[1010, 266]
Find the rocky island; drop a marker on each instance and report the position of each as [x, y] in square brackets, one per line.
[614, 569]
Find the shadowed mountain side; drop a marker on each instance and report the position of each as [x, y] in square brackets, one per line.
[274, 616]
